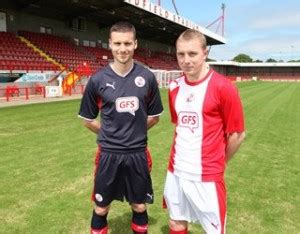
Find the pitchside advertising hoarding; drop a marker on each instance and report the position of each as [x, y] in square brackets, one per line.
[51, 90]
[34, 77]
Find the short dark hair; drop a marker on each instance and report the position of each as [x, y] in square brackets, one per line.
[122, 26]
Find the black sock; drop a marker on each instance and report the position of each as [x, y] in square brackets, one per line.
[139, 223]
[98, 221]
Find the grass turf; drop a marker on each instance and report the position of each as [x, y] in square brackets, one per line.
[46, 168]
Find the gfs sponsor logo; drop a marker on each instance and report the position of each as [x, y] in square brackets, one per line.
[127, 104]
[188, 120]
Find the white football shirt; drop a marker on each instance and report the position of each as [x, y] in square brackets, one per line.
[204, 112]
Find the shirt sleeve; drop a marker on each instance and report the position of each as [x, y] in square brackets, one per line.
[155, 106]
[89, 107]
[232, 109]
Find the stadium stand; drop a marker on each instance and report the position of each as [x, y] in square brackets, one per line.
[101, 55]
[284, 72]
[63, 51]
[45, 48]
[70, 56]
[16, 55]
[41, 39]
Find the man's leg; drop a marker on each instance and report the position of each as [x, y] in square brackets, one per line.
[138, 190]
[105, 190]
[208, 202]
[175, 202]
[139, 222]
[99, 220]
[178, 227]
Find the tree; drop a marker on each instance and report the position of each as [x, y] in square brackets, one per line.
[271, 60]
[294, 61]
[210, 60]
[242, 58]
[258, 61]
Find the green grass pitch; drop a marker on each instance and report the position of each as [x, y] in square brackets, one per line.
[47, 157]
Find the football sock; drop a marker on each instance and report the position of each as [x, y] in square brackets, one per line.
[178, 232]
[99, 231]
[99, 224]
[139, 224]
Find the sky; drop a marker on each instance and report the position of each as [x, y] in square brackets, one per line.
[261, 29]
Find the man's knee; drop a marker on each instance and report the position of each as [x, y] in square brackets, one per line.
[101, 210]
[139, 208]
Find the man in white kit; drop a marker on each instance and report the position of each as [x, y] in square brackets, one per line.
[208, 114]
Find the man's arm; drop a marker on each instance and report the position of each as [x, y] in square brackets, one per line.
[234, 141]
[151, 121]
[92, 125]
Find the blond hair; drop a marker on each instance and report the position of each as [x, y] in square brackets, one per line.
[191, 34]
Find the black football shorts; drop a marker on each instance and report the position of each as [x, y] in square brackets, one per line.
[122, 175]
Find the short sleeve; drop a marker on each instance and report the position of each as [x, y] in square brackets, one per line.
[89, 107]
[232, 109]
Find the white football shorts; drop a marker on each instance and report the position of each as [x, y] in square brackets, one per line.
[198, 202]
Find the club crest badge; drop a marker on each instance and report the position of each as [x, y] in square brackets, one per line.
[139, 81]
[98, 197]
[190, 97]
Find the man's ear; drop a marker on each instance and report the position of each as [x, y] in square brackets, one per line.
[135, 44]
[206, 52]
[109, 43]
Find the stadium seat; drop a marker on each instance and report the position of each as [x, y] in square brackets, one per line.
[17, 55]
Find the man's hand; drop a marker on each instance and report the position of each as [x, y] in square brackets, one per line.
[92, 125]
[234, 140]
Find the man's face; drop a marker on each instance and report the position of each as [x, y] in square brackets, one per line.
[191, 57]
[122, 46]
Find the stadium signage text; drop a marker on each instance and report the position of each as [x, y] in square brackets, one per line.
[158, 10]
[36, 77]
[33, 77]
